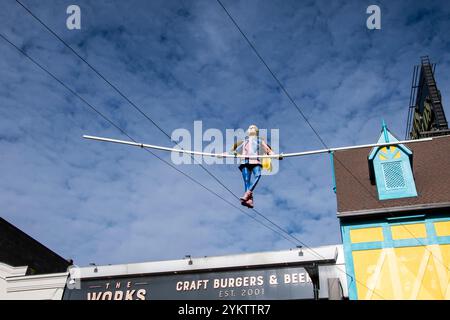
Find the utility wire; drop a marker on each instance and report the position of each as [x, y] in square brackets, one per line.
[165, 133]
[272, 73]
[157, 126]
[299, 110]
[150, 119]
[280, 84]
[131, 138]
[282, 87]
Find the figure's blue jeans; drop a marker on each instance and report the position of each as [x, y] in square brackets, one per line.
[247, 171]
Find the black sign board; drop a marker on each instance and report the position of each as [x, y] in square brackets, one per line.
[258, 284]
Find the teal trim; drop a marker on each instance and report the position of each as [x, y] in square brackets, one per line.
[431, 231]
[382, 139]
[414, 242]
[420, 242]
[386, 137]
[443, 240]
[387, 243]
[333, 177]
[405, 223]
[418, 216]
[366, 245]
[359, 225]
[349, 266]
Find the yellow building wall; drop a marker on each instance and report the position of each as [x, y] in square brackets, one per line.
[417, 272]
[403, 273]
[416, 230]
[366, 235]
[442, 228]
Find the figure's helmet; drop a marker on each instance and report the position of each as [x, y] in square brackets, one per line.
[252, 130]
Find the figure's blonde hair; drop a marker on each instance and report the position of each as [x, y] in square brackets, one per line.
[253, 125]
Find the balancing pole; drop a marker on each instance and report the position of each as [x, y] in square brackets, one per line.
[274, 156]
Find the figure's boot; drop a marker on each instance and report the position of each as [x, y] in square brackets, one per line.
[249, 202]
[247, 195]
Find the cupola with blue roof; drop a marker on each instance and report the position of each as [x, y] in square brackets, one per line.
[390, 168]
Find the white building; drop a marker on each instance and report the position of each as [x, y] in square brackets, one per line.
[287, 274]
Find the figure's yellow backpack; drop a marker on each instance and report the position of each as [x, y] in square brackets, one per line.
[267, 164]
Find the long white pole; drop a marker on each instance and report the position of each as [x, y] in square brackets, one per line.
[274, 156]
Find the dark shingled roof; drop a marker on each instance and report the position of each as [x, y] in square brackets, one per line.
[431, 169]
[19, 249]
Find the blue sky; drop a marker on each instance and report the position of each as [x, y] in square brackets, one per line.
[182, 61]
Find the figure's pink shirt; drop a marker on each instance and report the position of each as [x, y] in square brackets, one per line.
[249, 149]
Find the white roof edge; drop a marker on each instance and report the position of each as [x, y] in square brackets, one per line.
[37, 276]
[36, 282]
[330, 253]
[9, 271]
